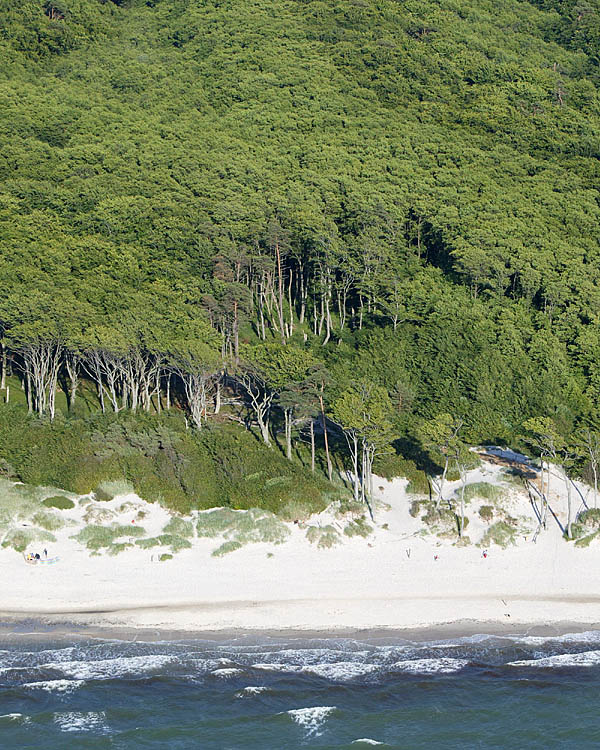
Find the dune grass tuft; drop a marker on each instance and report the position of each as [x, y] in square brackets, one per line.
[484, 491]
[500, 533]
[58, 501]
[48, 521]
[226, 548]
[323, 536]
[20, 539]
[96, 538]
[179, 527]
[358, 527]
[244, 526]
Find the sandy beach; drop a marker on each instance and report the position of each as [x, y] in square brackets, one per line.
[396, 578]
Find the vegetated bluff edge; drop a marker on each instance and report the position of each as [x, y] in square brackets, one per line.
[249, 240]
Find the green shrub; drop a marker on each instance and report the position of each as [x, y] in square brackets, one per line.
[6, 470]
[463, 541]
[350, 507]
[486, 513]
[587, 520]
[118, 547]
[175, 542]
[165, 556]
[162, 462]
[226, 548]
[48, 521]
[442, 515]
[501, 533]
[215, 522]
[418, 484]
[483, 490]
[392, 465]
[179, 527]
[110, 489]
[98, 515]
[101, 537]
[415, 509]
[58, 501]
[295, 510]
[20, 539]
[251, 526]
[358, 527]
[148, 543]
[585, 541]
[323, 536]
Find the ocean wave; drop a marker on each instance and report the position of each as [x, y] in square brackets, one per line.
[105, 669]
[366, 741]
[21, 718]
[589, 636]
[431, 666]
[311, 719]
[55, 686]
[278, 667]
[79, 721]
[307, 656]
[342, 671]
[227, 672]
[583, 659]
[252, 690]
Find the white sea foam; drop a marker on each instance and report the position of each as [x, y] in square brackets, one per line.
[78, 721]
[311, 719]
[277, 667]
[307, 656]
[366, 741]
[104, 669]
[590, 636]
[430, 666]
[11, 717]
[585, 659]
[227, 672]
[55, 686]
[342, 671]
[251, 690]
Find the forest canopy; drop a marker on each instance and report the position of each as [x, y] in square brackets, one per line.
[307, 207]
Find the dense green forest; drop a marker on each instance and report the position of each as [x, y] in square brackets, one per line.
[325, 223]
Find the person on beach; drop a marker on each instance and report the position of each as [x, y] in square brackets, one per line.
[45, 552]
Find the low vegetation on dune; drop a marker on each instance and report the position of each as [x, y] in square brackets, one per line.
[587, 527]
[113, 538]
[323, 537]
[27, 517]
[238, 528]
[161, 461]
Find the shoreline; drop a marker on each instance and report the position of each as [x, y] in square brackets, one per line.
[121, 624]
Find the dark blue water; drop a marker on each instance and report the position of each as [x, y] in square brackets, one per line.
[473, 692]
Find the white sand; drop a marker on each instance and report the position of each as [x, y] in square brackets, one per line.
[389, 580]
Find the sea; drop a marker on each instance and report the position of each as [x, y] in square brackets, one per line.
[60, 690]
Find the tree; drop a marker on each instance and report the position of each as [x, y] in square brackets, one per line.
[441, 436]
[363, 414]
[542, 433]
[278, 373]
[194, 357]
[589, 441]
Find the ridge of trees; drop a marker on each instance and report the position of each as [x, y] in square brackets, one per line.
[305, 208]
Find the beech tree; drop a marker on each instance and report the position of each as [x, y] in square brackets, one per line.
[363, 414]
[441, 436]
[542, 434]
